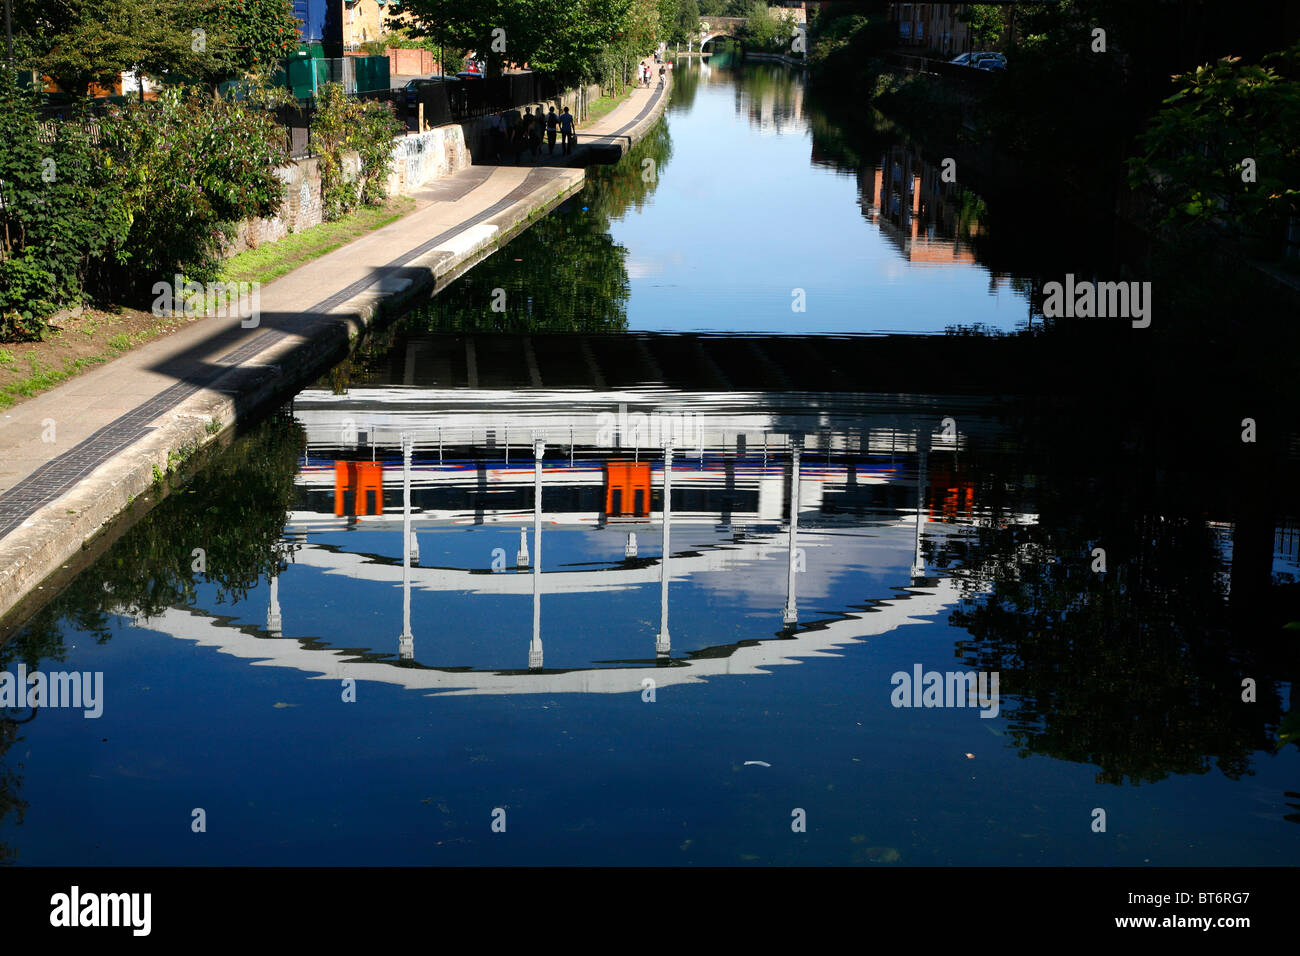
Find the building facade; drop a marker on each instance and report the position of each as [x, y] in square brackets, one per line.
[363, 21]
[932, 26]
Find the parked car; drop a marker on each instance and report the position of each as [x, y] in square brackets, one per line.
[981, 61]
[469, 76]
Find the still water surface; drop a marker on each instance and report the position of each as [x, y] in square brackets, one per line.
[362, 675]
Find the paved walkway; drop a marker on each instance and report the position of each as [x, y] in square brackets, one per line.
[74, 457]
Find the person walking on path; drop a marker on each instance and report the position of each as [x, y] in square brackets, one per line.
[662, 70]
[552, 124]
[512, 118]
[497, 136]
[535, 139]
[566, 130]
[524, 135]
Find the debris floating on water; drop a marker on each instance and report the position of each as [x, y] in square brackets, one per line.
[757, 763]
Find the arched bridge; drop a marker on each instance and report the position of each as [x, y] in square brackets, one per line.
[713, 27]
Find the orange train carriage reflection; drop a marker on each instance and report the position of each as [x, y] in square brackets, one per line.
[615, 490]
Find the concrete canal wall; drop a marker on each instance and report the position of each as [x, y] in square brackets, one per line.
[418, 160]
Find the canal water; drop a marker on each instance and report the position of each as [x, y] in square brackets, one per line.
[858, 586]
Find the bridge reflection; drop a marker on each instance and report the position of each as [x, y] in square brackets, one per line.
[754, 485]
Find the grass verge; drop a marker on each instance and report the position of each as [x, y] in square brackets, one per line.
[44, 376]
[601, 107]
[274, 259]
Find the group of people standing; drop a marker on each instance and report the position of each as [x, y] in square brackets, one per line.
[515, 133]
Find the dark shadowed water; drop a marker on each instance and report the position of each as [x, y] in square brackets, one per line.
[346, 671]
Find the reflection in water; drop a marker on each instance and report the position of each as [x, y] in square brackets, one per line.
[457, 473]
[925, 217]
[812, 515]
[791, 529]
[742, 194]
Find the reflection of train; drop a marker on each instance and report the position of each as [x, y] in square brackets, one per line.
[773, 504]
[618, 491]
[473, 463]
[590, 492]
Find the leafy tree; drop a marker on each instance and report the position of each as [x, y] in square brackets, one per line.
[79, 42]
[59, 210]
[764, 31]
[685, 21]
[1195, 151]
[343, 123]
[188, 165]
[517, 30]
[724, 8]
[253, 35]
[984, 22]
[566, 38]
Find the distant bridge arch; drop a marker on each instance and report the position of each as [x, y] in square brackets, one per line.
[713, 27]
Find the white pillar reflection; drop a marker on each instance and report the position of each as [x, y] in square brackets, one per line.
[663, 642]
[406, 642]
[922, 448]
[273, 608]
[535, 647]
[791, 614]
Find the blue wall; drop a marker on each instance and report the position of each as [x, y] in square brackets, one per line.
[321, 22]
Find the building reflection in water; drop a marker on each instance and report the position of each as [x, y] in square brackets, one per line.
[932, 222]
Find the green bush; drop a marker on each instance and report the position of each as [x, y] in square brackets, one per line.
[59, 212]
[108, 206]
[342, 123]
[25, 291]
[1193, 153]
[190, 165]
